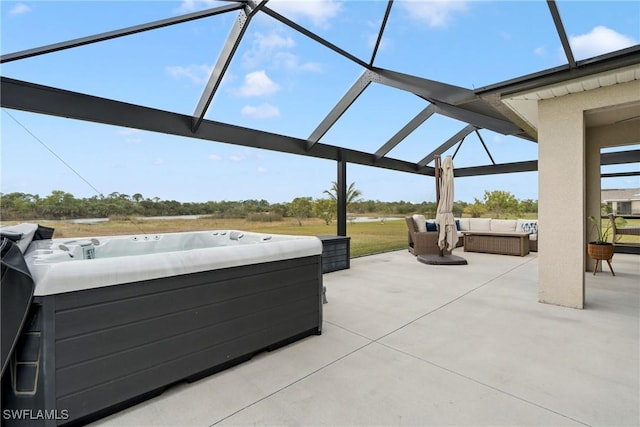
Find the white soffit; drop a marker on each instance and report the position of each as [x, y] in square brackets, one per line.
[525, 104]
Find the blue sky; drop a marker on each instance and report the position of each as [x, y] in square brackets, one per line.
[282, 82]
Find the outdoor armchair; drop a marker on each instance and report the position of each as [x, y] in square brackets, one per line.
[422, 242]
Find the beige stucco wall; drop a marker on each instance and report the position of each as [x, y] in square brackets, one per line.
[569, 185]
[561, 184]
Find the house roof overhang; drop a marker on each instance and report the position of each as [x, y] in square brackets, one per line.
[518, 98]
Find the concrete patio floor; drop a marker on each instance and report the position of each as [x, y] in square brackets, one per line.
[406, 343]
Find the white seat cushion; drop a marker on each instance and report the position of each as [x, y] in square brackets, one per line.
[464, 224]
[479, 224]
[504, 225]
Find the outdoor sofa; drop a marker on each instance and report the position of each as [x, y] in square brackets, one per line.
[619, 231]
[500, 236]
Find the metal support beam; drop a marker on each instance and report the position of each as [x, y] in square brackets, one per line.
[557, 21]
[452, 101]
[448, 144]
[35, 98]
[420, 118]
[485, 147]
[382, 27]
[478, 120]
[620, 157]
[619, 174]
[342, 194]
[424, 88]
[229, 48]
[528, 166]
[457, 149]
[55, 47]
[614, 158]
[347, 99]
[314, 37]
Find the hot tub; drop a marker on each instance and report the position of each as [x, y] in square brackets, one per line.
[117, 319]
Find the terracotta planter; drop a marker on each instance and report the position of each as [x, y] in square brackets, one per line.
[600, 251]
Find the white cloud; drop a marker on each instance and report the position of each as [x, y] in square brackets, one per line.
[19, 9]
[599, 41]
[257, 83]
[263, 111]
[319, 12]
[131, 136]
[540, 51]
[274, 49]
[128, 131]
[263, 47]
[272, 41]
[198, 74]
[437, 14]
[236, 158]
[289, 61]
[214, 157]
[262, 169]
[192, 5]
[158, 161]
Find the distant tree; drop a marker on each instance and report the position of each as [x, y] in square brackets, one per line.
[529, 206]
[476, 209]
[458, 207]
[301, 208]
[60, 204]
[403, 207]
[366, 206]
[384, 211]
[325, 209]
[352, 193]
[17, 205]
[499, 201]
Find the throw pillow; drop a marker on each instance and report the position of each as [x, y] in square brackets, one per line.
[432, 226]
[529, 227]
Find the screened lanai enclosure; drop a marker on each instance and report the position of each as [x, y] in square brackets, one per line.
[350, 105]
[390, 85]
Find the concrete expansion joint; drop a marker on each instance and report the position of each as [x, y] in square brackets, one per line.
[302, 378]
[378, 340]
[484, 384]
[526, 261]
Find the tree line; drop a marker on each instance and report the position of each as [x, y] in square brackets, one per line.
[64, 205]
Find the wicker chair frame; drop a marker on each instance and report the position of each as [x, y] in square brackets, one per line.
[422, 242]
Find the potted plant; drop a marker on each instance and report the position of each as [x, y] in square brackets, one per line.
[601, 248]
